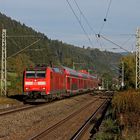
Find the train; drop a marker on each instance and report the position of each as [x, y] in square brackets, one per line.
[48, 82]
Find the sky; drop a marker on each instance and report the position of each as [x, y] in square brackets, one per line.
[56, 20]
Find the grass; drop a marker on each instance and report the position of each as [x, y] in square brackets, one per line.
[109, 129]
[122, 120]
[4, 100]
[126, 106]
[110, 132]
[128, 101]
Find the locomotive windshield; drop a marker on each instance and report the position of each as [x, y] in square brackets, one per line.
[35, 74]
[40, 74]
[30, 74]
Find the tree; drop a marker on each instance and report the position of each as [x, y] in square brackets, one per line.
[129, 71]
[16, 67]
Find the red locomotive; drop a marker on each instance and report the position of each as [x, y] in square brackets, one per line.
[56, 81]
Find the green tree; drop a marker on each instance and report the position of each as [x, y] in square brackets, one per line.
[129, 71]
[16, 67]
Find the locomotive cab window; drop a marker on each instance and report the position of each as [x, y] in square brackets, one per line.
[35, 74]
[30, 74]
[40, 74]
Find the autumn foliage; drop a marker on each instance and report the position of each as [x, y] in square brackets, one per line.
[126, 106]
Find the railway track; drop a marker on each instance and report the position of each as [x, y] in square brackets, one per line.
[87, 124]
[17, 109]
[51, 130]
[24, 107]
[8, 111]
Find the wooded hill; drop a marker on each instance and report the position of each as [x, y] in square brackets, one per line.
[47, 50]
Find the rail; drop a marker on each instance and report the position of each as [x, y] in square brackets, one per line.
[17, 110]
[53, 127]
[79, 133]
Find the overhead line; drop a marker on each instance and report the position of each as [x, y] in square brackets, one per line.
[80, 23]
[97, 35]
[99, 42]
[23, 49]
[86, 20]
[114, 43]
[84, 16]
[108, 8]
[21, 36]
[105, 19]
[127, 40]
[122, 34]
[89, 25]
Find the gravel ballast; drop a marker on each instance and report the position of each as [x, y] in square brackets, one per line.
[23, 125]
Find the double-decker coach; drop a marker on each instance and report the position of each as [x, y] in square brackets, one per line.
[79, 82]
[72, 80]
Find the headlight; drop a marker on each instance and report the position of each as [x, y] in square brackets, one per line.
[28, 83]
[42, 83]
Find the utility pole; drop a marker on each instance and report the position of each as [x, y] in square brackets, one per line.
[107, 85]
[138, 59]
[73, 66]
[4, 59]
[102, 83]
[4, 65]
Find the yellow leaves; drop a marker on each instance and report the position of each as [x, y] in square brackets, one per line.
[128, 101]
[129, 70]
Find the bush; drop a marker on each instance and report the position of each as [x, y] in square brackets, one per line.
[126, 106]
[110, 130]
[126, 102]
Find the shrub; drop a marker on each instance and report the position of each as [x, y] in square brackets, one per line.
[126, 107]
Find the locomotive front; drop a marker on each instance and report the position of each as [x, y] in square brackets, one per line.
[35, 82]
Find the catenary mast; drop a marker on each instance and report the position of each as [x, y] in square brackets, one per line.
[4, 65]
[138, 59]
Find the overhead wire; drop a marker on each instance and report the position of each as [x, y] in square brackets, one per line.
[108, 9]
[127, 40]
[97, 35]
[79, 21]
[90, 27]
[23, 36]
[87, 22]
[109, 40]
[23, 49]
[84, 16]
[105, 19]
[100, 44]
